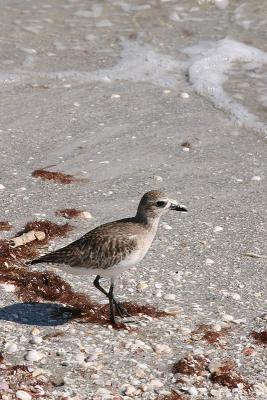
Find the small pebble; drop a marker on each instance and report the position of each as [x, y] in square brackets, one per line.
[115, 96]
[22, 395]
[158, 178]
[2, 187]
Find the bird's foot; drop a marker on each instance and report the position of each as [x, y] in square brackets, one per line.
[122, 312]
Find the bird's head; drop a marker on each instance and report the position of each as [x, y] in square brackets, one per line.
[154, 204]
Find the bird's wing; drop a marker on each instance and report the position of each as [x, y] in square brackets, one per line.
[93, 250]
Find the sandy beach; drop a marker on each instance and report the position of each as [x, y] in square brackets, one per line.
[126, 97]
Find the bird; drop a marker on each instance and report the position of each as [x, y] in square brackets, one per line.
[114, 247]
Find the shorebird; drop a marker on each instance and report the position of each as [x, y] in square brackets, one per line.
[112, 248]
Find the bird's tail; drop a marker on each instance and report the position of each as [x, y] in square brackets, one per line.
[56, 257]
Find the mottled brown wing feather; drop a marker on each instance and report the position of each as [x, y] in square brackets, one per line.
[96, 249]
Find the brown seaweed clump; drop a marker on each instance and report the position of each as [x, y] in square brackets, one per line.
[58, 177]
[34, 286]
[207, 333]
[5, 226]
[226, 375]
[192, 364]
[11, 255]
[259, 337]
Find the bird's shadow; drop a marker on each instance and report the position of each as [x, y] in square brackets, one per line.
[42, 314]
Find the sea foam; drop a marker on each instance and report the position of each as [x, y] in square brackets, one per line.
[210, 66]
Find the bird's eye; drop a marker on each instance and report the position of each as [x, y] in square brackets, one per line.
[161, 203]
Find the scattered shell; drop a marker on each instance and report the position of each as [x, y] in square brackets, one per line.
[227, 318]
[11, 348]
[236, 296]
[34, 355]
[37, 372]
[22, 395]
[130, 390]
[35, 331]
[36, 339]
[141, 286]
[172, 310]
[155, 384]
[169, 296]
[254, 255]
[158, 178]
[256, 178]
[166, 226]
[216, 327]
[162, 348]
[184, 95]
[209, 261]
[217, 229]
[2, 187]
[192, 391]
[185, 331]
[115, 96]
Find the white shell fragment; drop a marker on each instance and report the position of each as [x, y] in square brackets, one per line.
[34, 355]
[169, 296]
[217, 229]
[184, 95]
[22, 395]
[11, 348]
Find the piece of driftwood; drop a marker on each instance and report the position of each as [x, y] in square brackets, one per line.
[26, 238]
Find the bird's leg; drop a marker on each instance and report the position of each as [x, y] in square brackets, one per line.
[111, 303]
[119, 308]
[99, 287]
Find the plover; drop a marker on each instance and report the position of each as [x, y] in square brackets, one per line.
[112, 248]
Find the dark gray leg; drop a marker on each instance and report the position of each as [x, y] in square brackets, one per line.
[111, 304]
[97, 285]
[119, 308]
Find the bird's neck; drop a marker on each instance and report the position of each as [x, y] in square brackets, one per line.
[151, 222]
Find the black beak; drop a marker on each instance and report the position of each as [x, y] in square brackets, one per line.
[178, 207]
